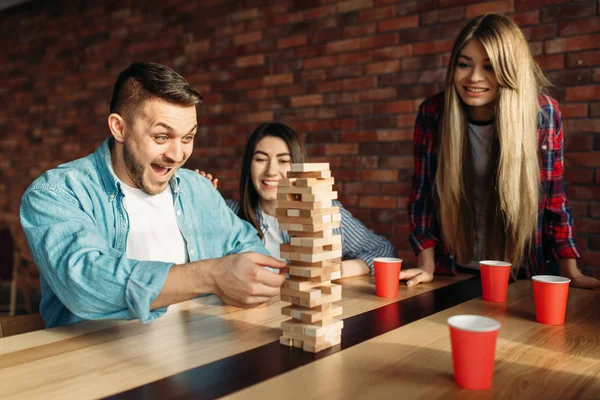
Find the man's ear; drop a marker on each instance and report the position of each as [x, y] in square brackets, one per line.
[116, 124]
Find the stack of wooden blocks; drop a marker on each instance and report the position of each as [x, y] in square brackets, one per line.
[305, 211]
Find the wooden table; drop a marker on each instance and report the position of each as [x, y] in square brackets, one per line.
[202, 349]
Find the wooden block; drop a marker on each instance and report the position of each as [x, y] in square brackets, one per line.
[320, 234]
[320, 264]
[315, 174]
[335, 275]
[308, 294]
[290, 212]
[329, 330]
[315, 348]
[289, 248]
[314, 302]
[300, 344]
[310, 228]
[312, 316]
[300, 205]
[292, 331]
[312, 258]
[331, 288]
[317, 219]
[286, 182]
[304, 189]
[286, 341]
[322, 196]
[316, 242]
[309, 167]
[301, 283]
[311, 182]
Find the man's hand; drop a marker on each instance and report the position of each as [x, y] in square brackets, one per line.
[241, 280]
[414, 276]
[214, 181]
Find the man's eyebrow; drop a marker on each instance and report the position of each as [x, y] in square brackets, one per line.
[169, 129]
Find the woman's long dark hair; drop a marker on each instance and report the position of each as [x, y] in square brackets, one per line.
[248, 195]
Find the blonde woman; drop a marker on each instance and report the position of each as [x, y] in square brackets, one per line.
[488, 180]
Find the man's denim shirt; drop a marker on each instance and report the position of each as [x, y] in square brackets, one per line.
[76, 226]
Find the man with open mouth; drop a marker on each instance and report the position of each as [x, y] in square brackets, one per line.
[125, 232]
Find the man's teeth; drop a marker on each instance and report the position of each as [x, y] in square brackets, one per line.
[271, 183]
[476, 90]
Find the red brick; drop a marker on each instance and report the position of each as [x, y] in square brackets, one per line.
[341, 98]
[579, 208]
[422, 62]
[589, 25]
[415, 7]
[591, 259]
[398, 189]
[287, 19]
[358, 136]
[566, 12]
[311, 75]
[394, 135]
[308, 100]
[575, 110]
[358, 31]
[569, 77]
[359, 83]
[583, 59]
[393, 52]
[587, 225]
[377, 14]
[281, 79]
[595, 209]
[320, 12]
[246, 38]
[246, 14]
[395, 107]
[377, 94]
[325, 125]
[539, 32]
[384, 67]
[552, 62]
[596, 75]
[587, 159]
[397, 162]
[353, 5]
[598, 176]
[319, 62]
[494, 6]
[582, 125]
[436, 75]
[573, 43]
[583, 93]
[290, 90]
[247, 61]
[345, 72]
[355, 58]
[595, 243]
[248, 84]
[341, 148]
[527, 18]
[579, 175]
[442, 15]
[341, 46]
[407, 120]
[361, 188]
[377, 201]
[197, 47]
[594, 109]
[521, 5]
[438, 46]
[380, 41]
[294, 41]
[397, 24]
[578, 192]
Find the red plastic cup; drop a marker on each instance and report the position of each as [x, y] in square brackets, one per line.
[494, 280]
[387, 276]
[473, 340]
[550, 295]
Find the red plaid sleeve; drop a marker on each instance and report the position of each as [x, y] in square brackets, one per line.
[422, 217]
[557, 214]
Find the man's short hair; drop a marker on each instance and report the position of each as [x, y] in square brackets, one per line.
[144, 81]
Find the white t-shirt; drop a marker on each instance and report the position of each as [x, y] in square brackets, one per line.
[272, 237]
[481, 138]
[153, 231]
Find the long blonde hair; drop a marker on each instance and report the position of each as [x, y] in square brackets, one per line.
[512, 205]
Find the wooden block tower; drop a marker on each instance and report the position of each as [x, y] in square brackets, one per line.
[305, 211]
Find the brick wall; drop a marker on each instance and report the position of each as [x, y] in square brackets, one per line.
[348, 75]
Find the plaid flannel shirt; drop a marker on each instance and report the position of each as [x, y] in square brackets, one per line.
[555, 235]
